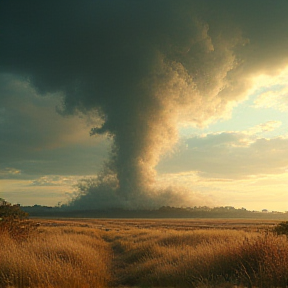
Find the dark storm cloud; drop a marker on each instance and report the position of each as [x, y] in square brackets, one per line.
[143, 66]
[36, 140]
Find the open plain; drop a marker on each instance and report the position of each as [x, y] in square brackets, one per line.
[82, 253]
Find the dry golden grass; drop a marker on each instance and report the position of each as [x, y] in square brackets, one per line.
[190, 259]
[146, 253]
[181, 257]
[57, 257]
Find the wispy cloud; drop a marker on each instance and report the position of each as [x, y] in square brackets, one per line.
[264, 127]
[55, 180]
[277, 99]
[271, 91]
[9, 172]
[234, 154]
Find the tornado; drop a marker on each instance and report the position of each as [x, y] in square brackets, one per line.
[144, 68]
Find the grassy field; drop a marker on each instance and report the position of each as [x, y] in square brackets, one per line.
[146, 253]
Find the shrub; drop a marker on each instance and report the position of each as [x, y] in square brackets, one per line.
[14, 222]
[282, 228]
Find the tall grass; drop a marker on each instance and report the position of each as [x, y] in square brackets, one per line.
[56, 258]
[201, 259]
[123, 255]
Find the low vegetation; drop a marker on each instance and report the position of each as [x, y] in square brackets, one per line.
[282, 228]
[14, 222]
[56, 257]
[200, 258]
[146, 253]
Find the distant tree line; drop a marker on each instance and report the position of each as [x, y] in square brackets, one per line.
[162, 212]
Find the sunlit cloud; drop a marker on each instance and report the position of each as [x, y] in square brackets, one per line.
[271, 91]
[234, 154]
[9, 172]
[277, 99]
[265, 127]
[55, 180]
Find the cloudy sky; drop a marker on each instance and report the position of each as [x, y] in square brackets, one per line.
[152, 103]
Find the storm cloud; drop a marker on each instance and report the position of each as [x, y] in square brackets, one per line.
[144, 68]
